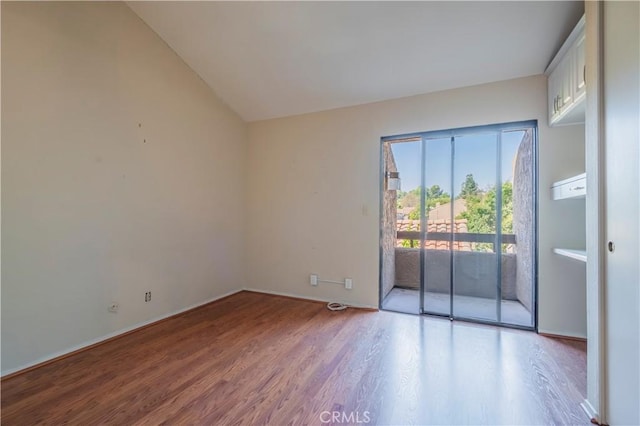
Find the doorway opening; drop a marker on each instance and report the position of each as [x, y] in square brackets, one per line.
[458, 224]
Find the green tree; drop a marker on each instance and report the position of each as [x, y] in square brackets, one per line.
[469, 187]
[410, 198]
[434, 195]
[507, 208]
[410, 243]
[481, 213]
[434, 192]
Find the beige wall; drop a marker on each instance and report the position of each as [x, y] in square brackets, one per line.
[313, 193]
[91, 213]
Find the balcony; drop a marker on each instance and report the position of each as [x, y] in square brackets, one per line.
[474, 260]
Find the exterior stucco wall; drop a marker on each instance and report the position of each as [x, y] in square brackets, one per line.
[522, 220]
[389, 216]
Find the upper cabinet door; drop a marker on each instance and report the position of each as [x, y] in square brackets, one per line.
[554, 85]
[580, 68]
[565, 70]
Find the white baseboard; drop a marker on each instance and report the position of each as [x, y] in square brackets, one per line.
[562, 334]
[315, 299]
[112, 335]
[590, 411]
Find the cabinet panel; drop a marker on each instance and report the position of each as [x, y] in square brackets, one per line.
[580, 70]
[554, 94]
[566, 76]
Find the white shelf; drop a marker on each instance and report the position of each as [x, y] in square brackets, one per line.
[580, 255]
[574, 187]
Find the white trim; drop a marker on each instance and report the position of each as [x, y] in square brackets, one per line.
[595, 209]
[114, 334]
[315, 299]
[556, 333]
[590, 411]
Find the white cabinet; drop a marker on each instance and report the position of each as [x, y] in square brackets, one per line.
[566, 80]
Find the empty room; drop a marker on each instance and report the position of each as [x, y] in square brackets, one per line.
[317, 212]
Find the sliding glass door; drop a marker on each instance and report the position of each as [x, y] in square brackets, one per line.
[476, 267]
[438, 265]
[474, 229]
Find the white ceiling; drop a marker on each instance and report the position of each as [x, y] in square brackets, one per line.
[274, 59]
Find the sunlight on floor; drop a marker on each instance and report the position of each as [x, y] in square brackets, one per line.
[408, 301]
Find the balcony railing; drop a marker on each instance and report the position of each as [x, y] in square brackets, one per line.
[476, 269]
[415, 236]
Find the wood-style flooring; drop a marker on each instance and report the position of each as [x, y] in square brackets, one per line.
[255, 359]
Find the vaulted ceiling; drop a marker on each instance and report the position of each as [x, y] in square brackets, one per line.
[274, 59]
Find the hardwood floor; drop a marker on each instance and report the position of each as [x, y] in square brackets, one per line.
[259, 359]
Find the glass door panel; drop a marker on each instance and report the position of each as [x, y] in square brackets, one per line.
[476, 288]
[437, 256]
[400, 242]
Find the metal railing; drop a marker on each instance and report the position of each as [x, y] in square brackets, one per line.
[465, 237]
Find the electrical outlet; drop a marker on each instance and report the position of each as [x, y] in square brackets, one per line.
[313, 279]
[348, 283]
[113, 307]
[147, 296]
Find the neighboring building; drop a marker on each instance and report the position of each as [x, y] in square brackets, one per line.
[443, 211]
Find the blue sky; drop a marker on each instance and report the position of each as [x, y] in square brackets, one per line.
[475, 154]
